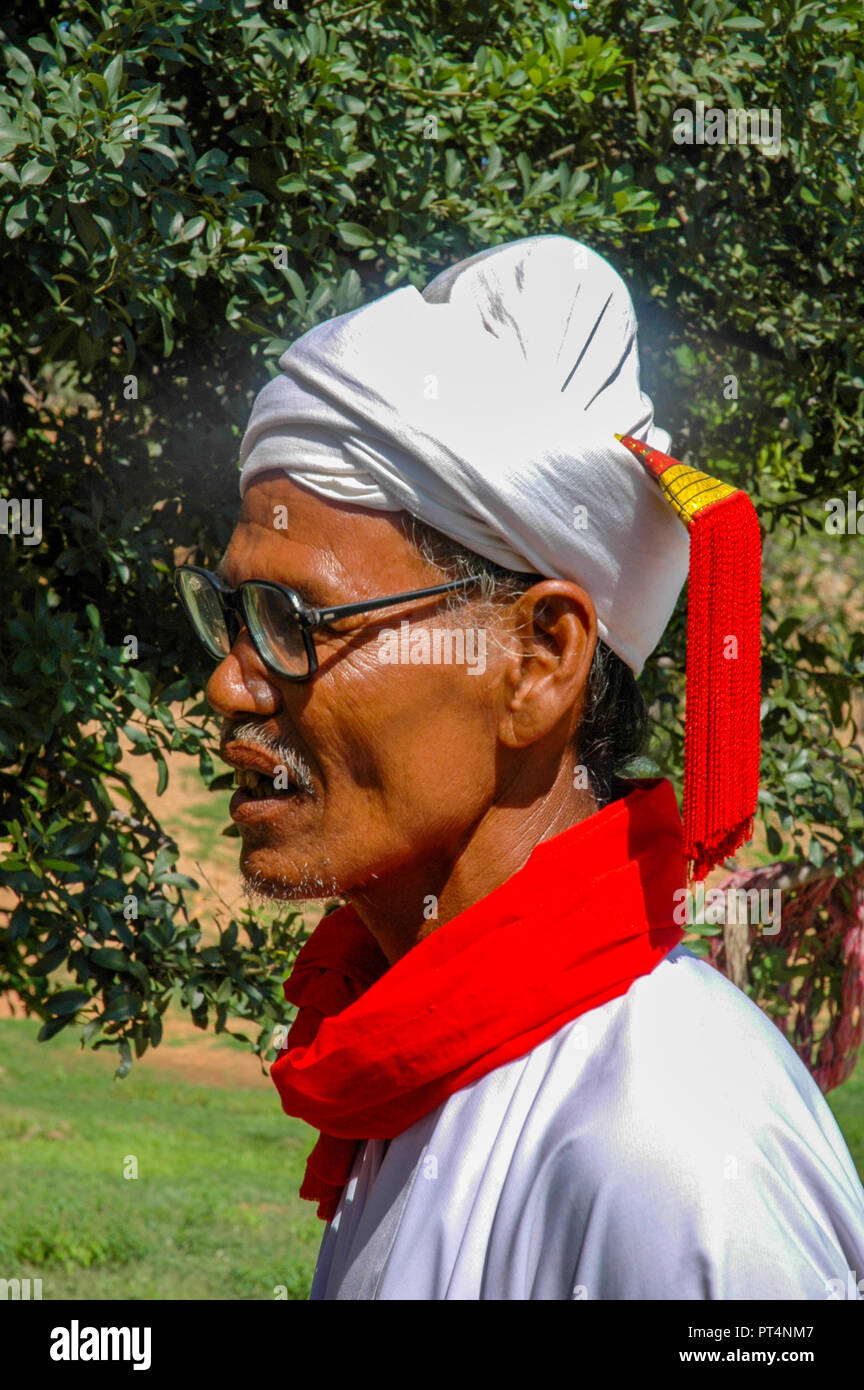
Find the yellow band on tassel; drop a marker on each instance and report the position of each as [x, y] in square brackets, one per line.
[686, 489]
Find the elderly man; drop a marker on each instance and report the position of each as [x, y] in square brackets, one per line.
[526, 1087]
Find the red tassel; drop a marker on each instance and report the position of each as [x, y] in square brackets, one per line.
[722, 728]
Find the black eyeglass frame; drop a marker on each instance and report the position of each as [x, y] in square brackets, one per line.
[309, 619]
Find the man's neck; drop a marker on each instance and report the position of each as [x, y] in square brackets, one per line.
[404, 909]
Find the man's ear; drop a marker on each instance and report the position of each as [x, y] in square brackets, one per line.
[549, 667]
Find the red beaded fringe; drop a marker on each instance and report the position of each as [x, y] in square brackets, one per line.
[722, 731]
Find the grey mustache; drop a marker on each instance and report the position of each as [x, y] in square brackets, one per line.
[294, 763]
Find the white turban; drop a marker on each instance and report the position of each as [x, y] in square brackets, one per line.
[487, 407]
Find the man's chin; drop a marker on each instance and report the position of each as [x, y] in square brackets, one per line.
[297, 884]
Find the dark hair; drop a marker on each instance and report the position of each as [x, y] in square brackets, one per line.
[614, 720]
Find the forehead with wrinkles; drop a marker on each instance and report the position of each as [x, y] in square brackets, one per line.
[327, 552]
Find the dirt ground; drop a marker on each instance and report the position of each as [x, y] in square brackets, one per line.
[185, 1053]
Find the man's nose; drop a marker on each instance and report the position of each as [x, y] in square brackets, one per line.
[241, 683]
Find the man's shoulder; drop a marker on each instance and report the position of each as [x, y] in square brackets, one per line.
[681, 1147]
[682, 1074]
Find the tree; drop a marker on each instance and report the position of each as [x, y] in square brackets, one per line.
[186, 188]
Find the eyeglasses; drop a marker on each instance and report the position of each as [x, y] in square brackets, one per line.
[279, 622]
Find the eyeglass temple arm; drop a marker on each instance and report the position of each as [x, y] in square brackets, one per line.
[347, 610]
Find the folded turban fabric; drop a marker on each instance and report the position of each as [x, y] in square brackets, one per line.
[487, 406]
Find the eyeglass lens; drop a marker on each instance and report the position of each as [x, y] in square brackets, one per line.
[270, 618]
[274, 627]
[204, 607]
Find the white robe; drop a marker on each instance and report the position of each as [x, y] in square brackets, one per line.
[666, 1145]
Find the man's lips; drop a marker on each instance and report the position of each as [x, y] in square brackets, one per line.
[244, 806]
[244, 758]
[252, 801]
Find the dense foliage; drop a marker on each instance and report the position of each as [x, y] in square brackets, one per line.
[188, 186]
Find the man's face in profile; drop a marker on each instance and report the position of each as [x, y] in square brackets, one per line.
[391, 765]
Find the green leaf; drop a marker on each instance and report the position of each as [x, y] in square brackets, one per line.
[17, 218]
[10, 131]
[297, 286]
[773, 840]
[121, 1010]
[113, 74]
[98, 81]
[453, 168]
[125, 1066]
[67, 1001]
[162, 778]
[36, 172]
[493, 164]
[19, 922]
[110, 958]
[48, 1030]
[657, 23]
[84, 225]
[79, 840]
[353, 234]
[49, 962]
[321, 296]
[136, 734]
[798, 780]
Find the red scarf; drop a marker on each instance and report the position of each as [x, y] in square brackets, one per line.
[375, 1048]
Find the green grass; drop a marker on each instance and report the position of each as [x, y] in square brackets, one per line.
[213, 1213]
